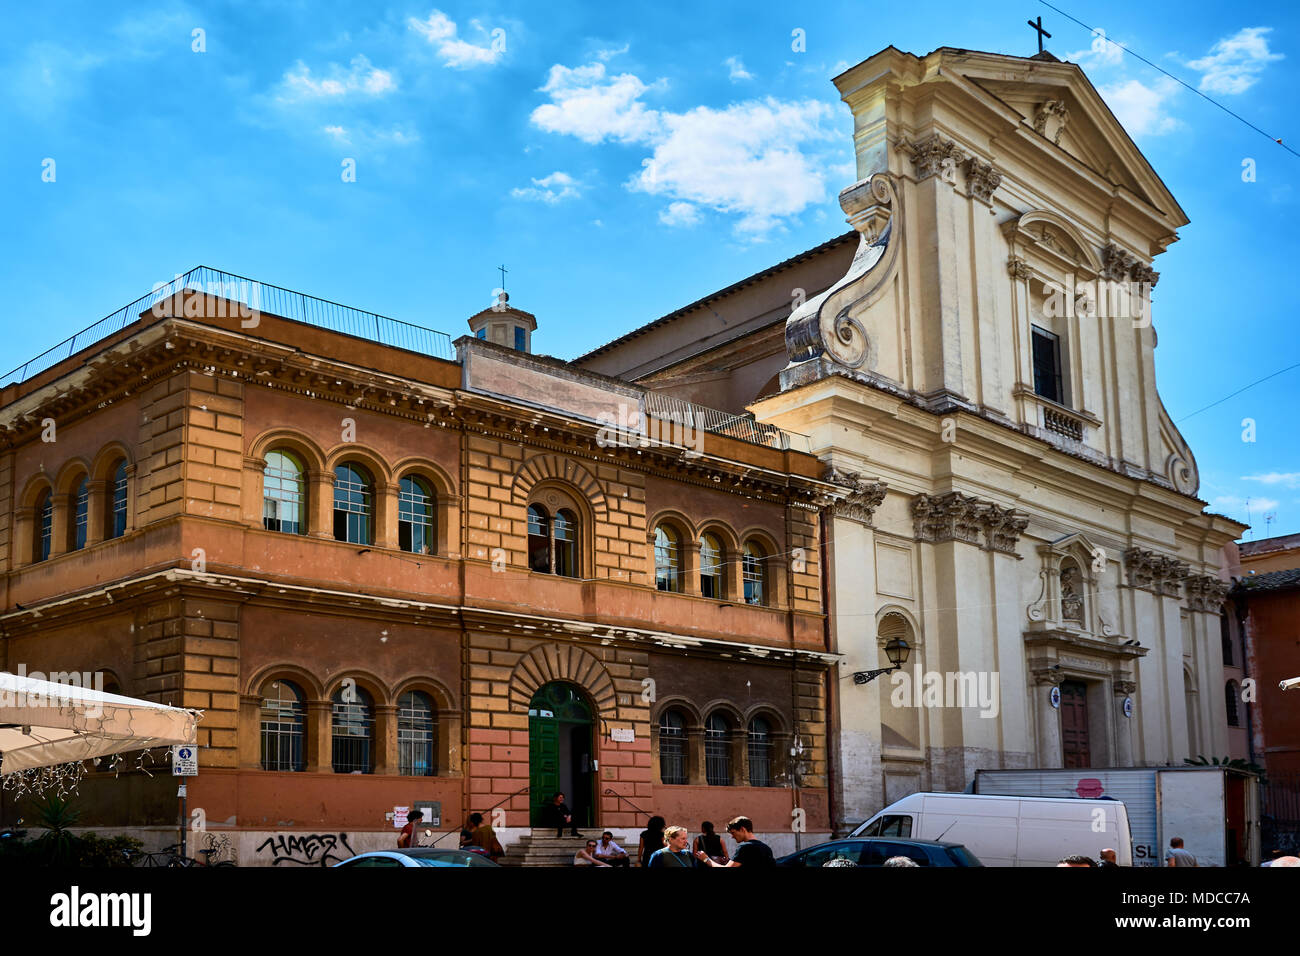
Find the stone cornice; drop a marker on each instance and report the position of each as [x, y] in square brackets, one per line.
[957, 517]
[1154, 572]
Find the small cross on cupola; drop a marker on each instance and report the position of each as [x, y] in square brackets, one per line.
[1038, 25]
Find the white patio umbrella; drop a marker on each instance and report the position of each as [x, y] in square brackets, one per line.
[43, 724]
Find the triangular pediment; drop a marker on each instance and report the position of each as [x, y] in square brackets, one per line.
[1060, 104]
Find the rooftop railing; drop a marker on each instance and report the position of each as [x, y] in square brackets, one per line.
[717, 422]
[254, 298]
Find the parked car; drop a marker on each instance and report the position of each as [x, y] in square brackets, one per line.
[874, 852]
[417, 856]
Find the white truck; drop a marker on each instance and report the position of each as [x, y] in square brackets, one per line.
[1008, 831]
[1215, 810]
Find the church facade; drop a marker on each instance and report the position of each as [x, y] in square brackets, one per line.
[976, 361]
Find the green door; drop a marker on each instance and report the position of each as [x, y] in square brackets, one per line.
[560, 753]
[543, 761]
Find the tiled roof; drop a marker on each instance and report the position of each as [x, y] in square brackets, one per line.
[1273, 580]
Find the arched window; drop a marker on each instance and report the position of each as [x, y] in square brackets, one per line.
[353, 730]
[416, 724]
[45, 517]
[117, 510]
[717, 751]
[415, 516]
[668, 559]
[672, 747]
[760, 753]
[565, 530]
[553, 542]
[753, 571]
[80, 514]
[283, 493]
[1230, 699]
[283, 723]
[710, 566]
[353, 504]
[539, 539]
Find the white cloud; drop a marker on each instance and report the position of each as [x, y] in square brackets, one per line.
[744, 160]
[1288, 479]
[440, 30]
[747, 159]
[1142, 109]
[1101, 53]
[606, 55]
[338, 132]
[587, 104]
[1234, 63]
[549, 189]
[679, 214]
[369, 137]
[361, 77]
[738, 71]
[1233, 503]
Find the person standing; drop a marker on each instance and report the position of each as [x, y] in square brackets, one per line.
[711, 843]
[652, 840]
[1107, 861]
[1177, 856]
[676, 851]
[750, 851]
[406, 838]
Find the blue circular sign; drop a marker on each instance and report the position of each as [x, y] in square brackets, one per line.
[1056, 697]
[1128, 706]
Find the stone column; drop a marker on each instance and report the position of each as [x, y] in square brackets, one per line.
[250, 731]
[1050, 753]
[320, 740]
[1123, 725]
[320, 502]
[385, 512]
[385, 740]
[695, 775]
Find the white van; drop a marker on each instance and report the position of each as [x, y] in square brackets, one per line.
[1009, 831]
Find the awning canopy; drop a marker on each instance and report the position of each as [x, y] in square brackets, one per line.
[43, 723]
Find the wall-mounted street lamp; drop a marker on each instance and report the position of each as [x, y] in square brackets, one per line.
[896, 650]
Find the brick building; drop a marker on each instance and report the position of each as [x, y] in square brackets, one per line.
[392, 574]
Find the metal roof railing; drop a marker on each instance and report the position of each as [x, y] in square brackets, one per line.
[717, 422]
[253, 298]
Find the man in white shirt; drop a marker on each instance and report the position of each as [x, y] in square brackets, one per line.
[610, 853]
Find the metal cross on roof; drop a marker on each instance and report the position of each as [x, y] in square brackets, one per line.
[1037, 24]
[502, 270]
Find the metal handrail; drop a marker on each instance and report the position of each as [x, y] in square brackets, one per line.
[614, 793]
[257, 297]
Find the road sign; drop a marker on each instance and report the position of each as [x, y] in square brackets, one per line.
[185, 761]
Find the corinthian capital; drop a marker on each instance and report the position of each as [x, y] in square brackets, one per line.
[934, 156]
[861, 503]
[1154, 572]
[1206, 593]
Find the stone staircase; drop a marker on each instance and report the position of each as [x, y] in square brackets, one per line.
[542, 848]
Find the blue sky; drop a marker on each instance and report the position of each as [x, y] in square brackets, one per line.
[621, 161]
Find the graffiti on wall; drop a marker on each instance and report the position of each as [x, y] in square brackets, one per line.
[309, 849]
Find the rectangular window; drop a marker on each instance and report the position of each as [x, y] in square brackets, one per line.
[520, 338]
[1047, 365]
[482, 333]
